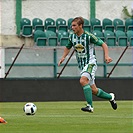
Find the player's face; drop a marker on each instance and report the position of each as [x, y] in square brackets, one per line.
[76, 28]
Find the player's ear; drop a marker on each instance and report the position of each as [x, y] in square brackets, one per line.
[81, 26]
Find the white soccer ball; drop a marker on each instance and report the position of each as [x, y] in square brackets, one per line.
[30, 108]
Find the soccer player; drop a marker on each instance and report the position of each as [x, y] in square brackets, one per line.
[83, 43]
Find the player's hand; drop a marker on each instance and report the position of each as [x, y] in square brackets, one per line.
[108, 59]
[61, 60]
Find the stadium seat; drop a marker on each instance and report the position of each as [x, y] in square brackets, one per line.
[110, 38]
[62, 37]
[50, 24]
[128, 23]
[108, 24]
[51, 28]
[64, 41]
[129, 34]
[37, 24]
[40, 38]
[69, 21]
[26, 27]
[87, 28]
[61, 24]
[130, 27]
[96, 24]
[99, 34]
[51, 37]
[119, 24]
[122, 39]
[86, 21]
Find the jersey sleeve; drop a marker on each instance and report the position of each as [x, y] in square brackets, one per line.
[69, 44]
[95, 40]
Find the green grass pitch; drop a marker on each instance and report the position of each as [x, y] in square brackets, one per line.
[66, 117]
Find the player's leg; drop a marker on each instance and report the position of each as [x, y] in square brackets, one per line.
[86, 75]
[84, 81]
[102, 94]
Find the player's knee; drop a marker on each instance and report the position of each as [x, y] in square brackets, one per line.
[84, 81]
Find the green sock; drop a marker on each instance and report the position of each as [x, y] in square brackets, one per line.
[103, 94]
[88, 94]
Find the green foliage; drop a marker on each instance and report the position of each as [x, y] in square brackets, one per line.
[66, 117]
[126, 12]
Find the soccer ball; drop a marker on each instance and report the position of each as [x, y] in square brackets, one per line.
[30, 108]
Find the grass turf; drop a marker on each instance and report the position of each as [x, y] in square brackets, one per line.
[66, 117]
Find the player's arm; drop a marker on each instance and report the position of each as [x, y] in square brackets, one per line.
[106, 53]
[98, 41]
[66, 52]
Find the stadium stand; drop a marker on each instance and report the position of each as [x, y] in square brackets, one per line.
[110, 38]
[87, 28]
[118, 24]
[129, 34]
[121, 37]
[69, 21]
[26, 27]
[95, 24]
[129, 24]
[108, 24]
[99, 34]
[61, 24]
[49, 24]
[37, 24]
[86, 21]
[51, 38]
[40, 38]
[113, 32]
[62, 37]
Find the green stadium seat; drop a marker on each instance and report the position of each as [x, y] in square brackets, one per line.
[61, 24]
[128, 23]
[110, 38]
[130, 27]
[37, 24]
[50, 24]
[40, 38]
[129, 34]
[69, 21]
[64, 41]
[86, 21]
[51, 28]
[119, 24]
[99, 34]
[26, 27]
[87, 28]
[96, 24]
[52, 38]
[108, 24]
[62, 37]
[122, 39]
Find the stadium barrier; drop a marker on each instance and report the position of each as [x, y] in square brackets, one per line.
[35, 90]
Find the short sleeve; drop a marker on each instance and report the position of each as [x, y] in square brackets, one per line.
[96, 40]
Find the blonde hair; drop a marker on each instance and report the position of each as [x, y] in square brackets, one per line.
[79, 20]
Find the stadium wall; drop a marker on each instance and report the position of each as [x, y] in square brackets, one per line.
[33, 63]
[34, 90]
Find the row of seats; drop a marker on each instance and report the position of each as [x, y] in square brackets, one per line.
[29, 26]
[117, 38]
[53, 33]
[50, 38]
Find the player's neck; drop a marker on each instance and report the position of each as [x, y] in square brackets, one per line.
[80, 32]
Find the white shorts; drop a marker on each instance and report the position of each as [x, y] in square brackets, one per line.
[89, 71]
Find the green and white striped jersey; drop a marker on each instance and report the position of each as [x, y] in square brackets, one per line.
[84, 46]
